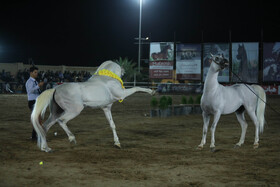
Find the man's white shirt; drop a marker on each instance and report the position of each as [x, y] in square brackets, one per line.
[32, 89]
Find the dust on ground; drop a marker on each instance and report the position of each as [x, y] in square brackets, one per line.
[155, 151]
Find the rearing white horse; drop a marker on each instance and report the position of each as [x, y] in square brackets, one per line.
[218, 99]
[69, 99]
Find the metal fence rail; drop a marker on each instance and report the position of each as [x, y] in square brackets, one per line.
[15, 87]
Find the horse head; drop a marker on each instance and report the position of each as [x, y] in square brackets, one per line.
[241, 52]
[220, 61]
[166, 48]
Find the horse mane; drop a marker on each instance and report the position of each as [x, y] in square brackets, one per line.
[111, 66]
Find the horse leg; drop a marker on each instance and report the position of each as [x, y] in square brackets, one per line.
[206, 119]
[46, 126]
[254, 118]
[55, 112]
[67, 116]
[108, 114]
[49, 123]
[241, 119]
[70, 135]
[213, 129]
[128, 92]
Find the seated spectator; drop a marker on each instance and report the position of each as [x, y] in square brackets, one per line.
[8, 88]
[16, 84]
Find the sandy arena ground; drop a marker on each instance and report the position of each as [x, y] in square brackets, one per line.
[155, 151]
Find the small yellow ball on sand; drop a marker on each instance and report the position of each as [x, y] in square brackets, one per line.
[41, 163]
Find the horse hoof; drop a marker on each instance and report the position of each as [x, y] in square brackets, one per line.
[237, 146]
[153, 92]
[256, 146]
[72, 140]
[199, 148]
[47, 150]
[212, 149]
[117, 145]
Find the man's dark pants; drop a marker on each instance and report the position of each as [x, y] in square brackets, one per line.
[31, 105]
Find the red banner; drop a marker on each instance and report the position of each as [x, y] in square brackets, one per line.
[270, 90]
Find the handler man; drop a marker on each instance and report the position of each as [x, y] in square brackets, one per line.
[33, 91]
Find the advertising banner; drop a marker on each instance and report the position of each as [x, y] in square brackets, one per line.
[180, 88]
[215, 49]
[271, 89]
[245, 62]
[188, 61]
[271, 62]
[161, 60]
[161, 69]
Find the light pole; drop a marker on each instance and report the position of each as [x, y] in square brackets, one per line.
[139, 38]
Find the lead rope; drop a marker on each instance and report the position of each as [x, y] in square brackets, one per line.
[255, 93]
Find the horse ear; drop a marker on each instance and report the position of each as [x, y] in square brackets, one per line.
[211, 55]
[122, 71]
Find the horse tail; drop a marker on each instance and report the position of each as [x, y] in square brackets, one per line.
[41, 104]
[260, 109]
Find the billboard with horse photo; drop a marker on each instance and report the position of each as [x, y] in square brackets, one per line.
[215, 49]
[245, 62]
[161, 60]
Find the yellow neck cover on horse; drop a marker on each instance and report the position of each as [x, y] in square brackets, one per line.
[105, 72]
[108, 73]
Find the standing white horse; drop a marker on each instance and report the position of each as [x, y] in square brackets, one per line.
[69, 99]
[217, 100]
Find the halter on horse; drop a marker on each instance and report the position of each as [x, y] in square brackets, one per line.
[69, 99]
[218, 99]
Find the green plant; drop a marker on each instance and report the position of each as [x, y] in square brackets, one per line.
[130, 68]
[163, 102]
[169, 101]
[190, 101]
[198, 99]
[184, 100]
[154, 102]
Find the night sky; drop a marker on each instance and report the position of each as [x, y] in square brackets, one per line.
[88, 32]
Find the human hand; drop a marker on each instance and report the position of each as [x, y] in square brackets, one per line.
[41, 84]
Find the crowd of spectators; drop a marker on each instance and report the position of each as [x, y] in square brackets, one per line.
[6, 76]
[11, 84]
